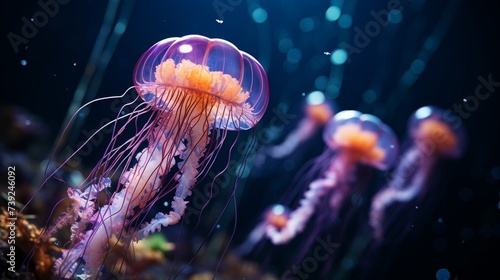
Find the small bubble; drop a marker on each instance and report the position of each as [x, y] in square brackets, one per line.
[495, 173]
[24, 62]
[339, 57]
[443, 274]
[27, 122]
[306, 24]
[217, 226]
[74, 64]
[417, 66]
[416, 207]
[321, 82]
[259, 15]
[303, 94]
[395, 16]
[294, 55]
[165, 203]
[333, 13]
[465, 99]
[285, 45]
[345, 21]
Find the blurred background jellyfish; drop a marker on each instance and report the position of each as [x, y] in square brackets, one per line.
[197, 89]
[318, 111]
[435, 134]
[352, 138]
[276, 216]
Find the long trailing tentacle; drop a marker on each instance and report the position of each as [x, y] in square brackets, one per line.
[406, 183]
[197, 140]
[140, 183]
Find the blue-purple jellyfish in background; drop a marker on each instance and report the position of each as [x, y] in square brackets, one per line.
[352, 138]
[434, 135]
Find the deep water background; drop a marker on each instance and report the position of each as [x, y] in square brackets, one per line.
[458, 224]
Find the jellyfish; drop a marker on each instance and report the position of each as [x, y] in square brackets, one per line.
[276, 216]
[352, 138]
[318, 111]
[196, 90]
[433, 137]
